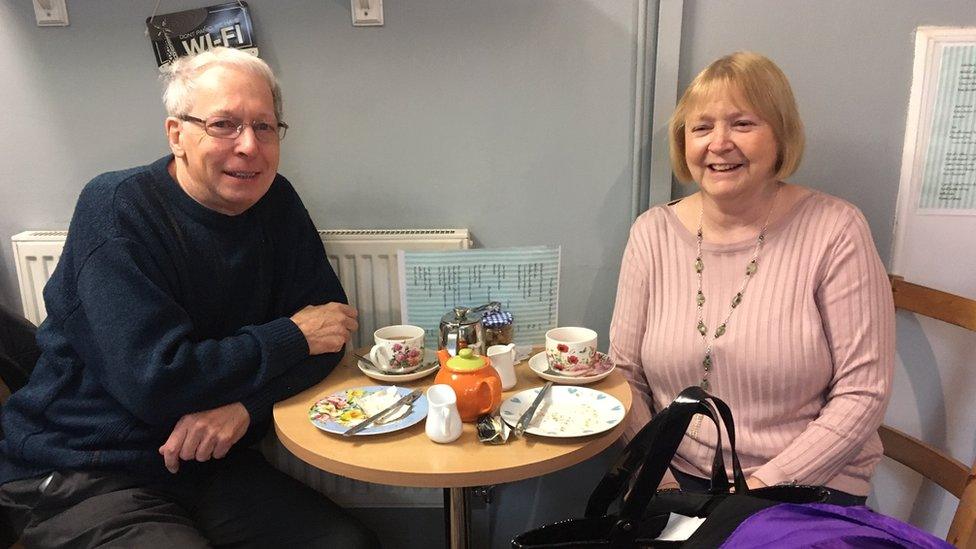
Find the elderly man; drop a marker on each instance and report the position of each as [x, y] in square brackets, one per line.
[192, 294]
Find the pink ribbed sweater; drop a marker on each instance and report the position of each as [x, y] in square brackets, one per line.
[807, 360]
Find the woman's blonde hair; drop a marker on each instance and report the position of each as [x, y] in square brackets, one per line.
[766, 91]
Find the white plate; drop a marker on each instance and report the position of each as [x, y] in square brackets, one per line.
[328, 413]
[538, 364]
[430, 359]
[565, 411]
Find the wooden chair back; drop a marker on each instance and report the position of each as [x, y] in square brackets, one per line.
[951, 474]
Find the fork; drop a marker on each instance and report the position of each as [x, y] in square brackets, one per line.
[550, 370]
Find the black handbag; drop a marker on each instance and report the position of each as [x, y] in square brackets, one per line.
[641, 512]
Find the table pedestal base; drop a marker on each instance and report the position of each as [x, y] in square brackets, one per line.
[458, 517]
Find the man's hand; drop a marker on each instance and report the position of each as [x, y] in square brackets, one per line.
[326, 327]
[206, 434]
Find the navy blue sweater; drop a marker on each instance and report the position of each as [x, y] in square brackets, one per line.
[160, 307]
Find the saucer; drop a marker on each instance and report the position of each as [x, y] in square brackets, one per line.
[431, 364]
[539, 364]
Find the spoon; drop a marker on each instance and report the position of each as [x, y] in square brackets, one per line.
[366, 361]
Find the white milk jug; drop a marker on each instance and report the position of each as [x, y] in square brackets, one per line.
[443, 420]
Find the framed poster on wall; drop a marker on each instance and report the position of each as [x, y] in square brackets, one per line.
[935, 224]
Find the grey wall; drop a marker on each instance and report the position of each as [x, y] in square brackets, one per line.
[850, 64]
[513, 119]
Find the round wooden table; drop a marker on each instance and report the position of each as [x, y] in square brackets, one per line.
[409, 458]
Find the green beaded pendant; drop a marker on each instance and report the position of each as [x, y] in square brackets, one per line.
[699, 266]
[751, 268]
[736, 300]
[700, 299]
[704, 384]
[702, 329]
[707, 362]
[720, 331]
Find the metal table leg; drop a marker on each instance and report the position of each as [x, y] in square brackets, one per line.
[458, 517]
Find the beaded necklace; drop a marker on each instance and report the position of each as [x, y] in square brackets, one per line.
[751, 268]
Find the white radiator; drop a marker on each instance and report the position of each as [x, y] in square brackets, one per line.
[365, 261]
[36, 254]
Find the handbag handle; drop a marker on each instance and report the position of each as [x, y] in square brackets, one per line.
[660, 434]
[641, 467]
[719, 476]
[689, 402]
[626, 466]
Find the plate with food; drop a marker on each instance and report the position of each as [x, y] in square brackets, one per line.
[565, 411]
[571, 374]
[345, 409]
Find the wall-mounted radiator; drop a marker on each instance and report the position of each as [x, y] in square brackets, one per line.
[36, 254]
[365, 261]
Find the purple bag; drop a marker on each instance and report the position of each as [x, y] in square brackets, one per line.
[824, 526]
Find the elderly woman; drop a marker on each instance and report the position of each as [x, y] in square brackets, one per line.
[765, 293]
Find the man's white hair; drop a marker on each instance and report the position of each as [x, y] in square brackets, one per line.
[179, 77]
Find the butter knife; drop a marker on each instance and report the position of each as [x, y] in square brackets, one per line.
[523, 421]
[403, 401]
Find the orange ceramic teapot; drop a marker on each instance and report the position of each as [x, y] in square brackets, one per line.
[475, 382]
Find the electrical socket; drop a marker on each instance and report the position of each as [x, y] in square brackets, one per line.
[51, 13]
[367, 13]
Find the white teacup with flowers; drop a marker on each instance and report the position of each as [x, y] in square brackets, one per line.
[571, 348]
[398, 349]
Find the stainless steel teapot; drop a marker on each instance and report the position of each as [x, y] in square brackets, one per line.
[462, 328]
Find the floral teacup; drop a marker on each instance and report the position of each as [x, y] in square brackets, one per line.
[398, 349]
[570, 348]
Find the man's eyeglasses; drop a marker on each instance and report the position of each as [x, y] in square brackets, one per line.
[223, 127]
